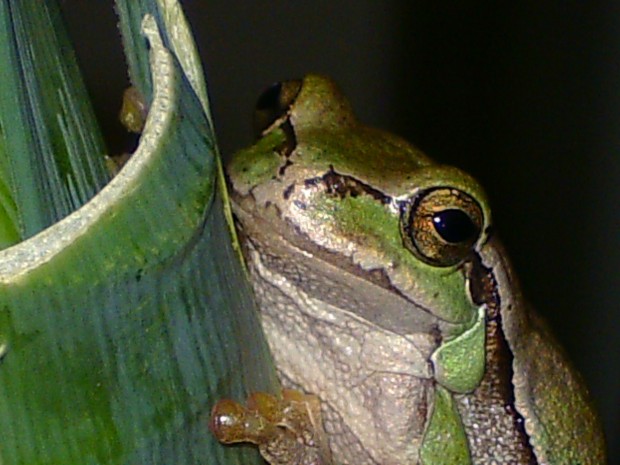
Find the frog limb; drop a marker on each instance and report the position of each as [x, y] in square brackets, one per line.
[445, 441]
[459, 363]
[133, 110]
[288, 429]
[132, 116]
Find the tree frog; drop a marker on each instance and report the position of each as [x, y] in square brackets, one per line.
[385, 294]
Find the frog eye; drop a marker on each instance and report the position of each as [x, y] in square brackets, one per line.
[442, 226]
[274, 103]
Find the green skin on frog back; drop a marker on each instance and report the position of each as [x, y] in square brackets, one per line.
[384, 293]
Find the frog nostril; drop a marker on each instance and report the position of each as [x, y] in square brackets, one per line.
[274, 103]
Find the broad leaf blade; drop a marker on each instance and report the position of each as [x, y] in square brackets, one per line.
[51, 153]
[122, 324]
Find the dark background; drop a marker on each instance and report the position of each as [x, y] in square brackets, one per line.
[524, 95]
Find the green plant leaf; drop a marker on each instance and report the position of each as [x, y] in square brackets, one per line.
[51, 152]
[122, 324]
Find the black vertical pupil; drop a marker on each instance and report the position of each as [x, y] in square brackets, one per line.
[454, 226]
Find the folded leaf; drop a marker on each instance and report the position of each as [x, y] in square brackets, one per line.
[51, 151]
[123, 323]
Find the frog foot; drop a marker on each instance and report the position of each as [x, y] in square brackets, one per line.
[132, 116]
[288, 429]
[133, 111]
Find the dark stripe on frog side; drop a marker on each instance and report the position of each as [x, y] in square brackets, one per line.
[346, 186]
[491, 408]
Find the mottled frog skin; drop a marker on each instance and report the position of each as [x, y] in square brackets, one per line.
[384, 292]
